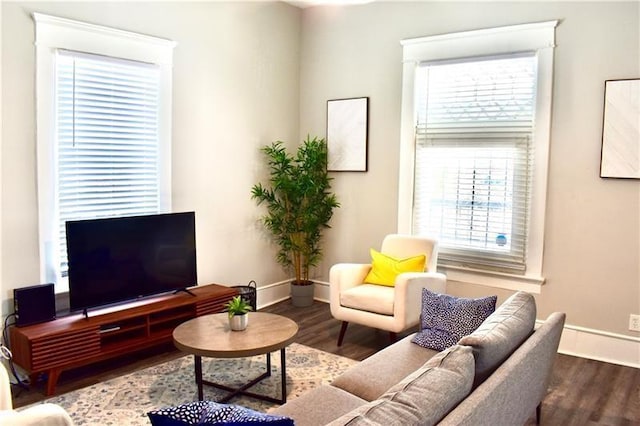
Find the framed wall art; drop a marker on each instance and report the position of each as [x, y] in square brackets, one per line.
[620, 156]
[347, 134]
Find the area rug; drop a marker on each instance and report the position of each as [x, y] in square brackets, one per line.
[126, 400]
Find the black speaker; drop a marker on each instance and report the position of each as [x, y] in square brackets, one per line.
[34, 304]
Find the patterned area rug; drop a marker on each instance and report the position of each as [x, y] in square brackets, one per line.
[126, 400]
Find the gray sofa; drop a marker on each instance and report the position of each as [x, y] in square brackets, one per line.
[498, 375]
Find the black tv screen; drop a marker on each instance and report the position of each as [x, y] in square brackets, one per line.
[119, 259]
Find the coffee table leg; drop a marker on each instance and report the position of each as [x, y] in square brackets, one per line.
[243, 389]
[283, 375]
[268, 363]
[197, 361]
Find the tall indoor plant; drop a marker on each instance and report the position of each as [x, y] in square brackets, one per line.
[299, 204]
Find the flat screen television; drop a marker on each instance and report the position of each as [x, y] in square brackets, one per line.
[119, 259]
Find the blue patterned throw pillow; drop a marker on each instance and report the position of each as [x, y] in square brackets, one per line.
[209, 413]
[235, 415]
[181, 415]
[446, 319]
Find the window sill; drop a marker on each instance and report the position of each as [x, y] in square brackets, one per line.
[529, 283]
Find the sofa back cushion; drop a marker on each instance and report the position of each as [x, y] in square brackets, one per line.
[422, 398]
[501, 334]
[375, 375]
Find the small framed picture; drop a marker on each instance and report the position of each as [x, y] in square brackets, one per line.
[347, 134]
[621, 130]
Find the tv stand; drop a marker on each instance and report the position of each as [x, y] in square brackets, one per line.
[73, 341]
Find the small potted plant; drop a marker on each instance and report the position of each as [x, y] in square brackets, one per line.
[237, 309]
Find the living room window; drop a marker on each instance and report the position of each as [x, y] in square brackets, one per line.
[108, 152]
[472, 170]
[104, 113]
[475, 137]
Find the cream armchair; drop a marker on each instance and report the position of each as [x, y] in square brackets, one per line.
[37, 415]
[393, 309]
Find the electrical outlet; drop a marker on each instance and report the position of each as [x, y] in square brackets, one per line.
[634, 322]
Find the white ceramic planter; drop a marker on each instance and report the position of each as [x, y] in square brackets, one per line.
[239, 322]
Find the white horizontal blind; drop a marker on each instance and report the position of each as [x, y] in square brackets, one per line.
[473, 159]
[108, 151]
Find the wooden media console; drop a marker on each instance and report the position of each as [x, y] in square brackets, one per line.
[74, 340]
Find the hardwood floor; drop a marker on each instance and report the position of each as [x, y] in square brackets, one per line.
[581, 392]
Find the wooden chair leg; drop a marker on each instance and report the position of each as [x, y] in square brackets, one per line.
[393, 337]
[343, 329]
[538, 413]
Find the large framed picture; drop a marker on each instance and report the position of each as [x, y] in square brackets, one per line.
[347, 134]
[621, 130]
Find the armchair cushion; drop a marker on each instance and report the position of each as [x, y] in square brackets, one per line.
[385, 268]
[446, 319]
[370, 298]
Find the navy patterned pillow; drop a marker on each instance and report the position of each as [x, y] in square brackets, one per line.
[209, 413]
[235, 415]
[181, 415]
[446, 319]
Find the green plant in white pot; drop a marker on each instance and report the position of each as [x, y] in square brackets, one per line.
[237, 309]
[299, 205]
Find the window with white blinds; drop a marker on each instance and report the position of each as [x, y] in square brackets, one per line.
[104, 115]
[107, 133]
[473, 159]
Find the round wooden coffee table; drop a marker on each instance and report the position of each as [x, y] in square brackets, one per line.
[210, 336]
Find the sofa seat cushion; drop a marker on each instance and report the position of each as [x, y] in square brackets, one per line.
[319, 406]
[369, 297]
[501, 333]
[422, 398]
[375, 375]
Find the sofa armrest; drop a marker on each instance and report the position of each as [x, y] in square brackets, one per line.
[5, 389]
[511, 394]
[37, 415]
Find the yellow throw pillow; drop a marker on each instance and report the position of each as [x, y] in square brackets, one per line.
[385, 269]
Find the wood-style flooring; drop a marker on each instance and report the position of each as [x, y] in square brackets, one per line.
[582, 392]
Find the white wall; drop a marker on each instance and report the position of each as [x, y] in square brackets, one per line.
[236, 79]
[592, 233]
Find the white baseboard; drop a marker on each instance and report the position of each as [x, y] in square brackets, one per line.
[277, 292]
[576, 341]
[272, 293]
[600, 345]
[322, 292]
